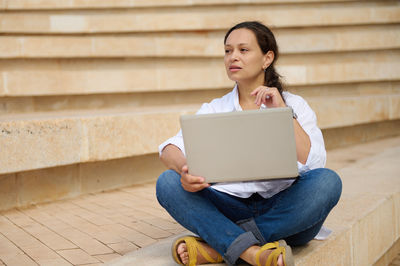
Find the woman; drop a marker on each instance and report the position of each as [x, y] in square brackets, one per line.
[246, 220]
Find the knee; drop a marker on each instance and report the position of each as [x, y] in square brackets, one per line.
[166, 184]
[328, 183]
[331, 184]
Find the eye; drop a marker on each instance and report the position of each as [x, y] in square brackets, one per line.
[227, 51]
[243, 50]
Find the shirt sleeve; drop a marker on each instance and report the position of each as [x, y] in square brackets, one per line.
[177, 140]
[308, 121]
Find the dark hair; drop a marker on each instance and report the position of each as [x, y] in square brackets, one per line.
[266, 41]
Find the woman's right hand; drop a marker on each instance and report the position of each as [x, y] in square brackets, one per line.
[192, 183]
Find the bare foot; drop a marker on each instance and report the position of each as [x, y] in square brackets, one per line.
[264, 257]
[184, 255]
[250, 256]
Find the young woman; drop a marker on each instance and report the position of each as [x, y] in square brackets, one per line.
[250, 221]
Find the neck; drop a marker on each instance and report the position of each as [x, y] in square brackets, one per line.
[245, 88]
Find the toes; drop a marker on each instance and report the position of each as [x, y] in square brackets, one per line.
[181, 248]
[185, 258]
[182, 252]
[280, 260]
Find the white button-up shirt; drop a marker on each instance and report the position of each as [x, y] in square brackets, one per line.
[306, 118]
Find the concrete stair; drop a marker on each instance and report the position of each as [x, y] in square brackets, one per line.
[365, 222]
[87, 85]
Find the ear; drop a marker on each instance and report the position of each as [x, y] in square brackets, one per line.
[268, 59]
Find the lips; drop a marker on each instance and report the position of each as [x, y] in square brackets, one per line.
[234, 68]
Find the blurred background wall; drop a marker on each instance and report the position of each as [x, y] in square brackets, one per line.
[89, 88]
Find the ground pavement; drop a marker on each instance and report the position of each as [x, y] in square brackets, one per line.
[125, 226]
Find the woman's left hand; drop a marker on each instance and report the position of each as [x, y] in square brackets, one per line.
[269, 96]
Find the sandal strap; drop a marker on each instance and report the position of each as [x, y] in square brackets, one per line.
[205, 254]
[267, 246]
[273, 256]
[192, 244]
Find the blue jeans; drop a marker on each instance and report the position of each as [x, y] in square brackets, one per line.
[232, 224]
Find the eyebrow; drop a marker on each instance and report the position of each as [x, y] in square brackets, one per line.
[240, 44]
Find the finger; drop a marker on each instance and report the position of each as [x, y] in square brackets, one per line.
[195, 187]
[261, 96]
[192, 179]
[256, 91]
[185, 169]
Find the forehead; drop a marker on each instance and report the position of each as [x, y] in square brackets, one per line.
[240, 36]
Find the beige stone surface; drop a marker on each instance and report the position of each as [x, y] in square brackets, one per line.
[345, 136]
[77, 256]
[394, 106]
[219, 17]
[9, 105]
[363, 223]
[109, 101]
[348, 111]
[370, 176]
[10, 46]
[396, 213]
[48, 184]
[118, 136]
[3, 85]
[331, 39]
[55, 46]
[200, 44]
[21, 259]
[81, 76]
[391, 256]
[64, 138]
[351, 89]
[8, 191]
[99, 4]
[368, 247]
[31, 104]
[330, 252]
[42, 143]
[99, 176]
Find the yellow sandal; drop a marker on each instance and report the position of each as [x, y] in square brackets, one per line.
[277, 248]
[192, 247]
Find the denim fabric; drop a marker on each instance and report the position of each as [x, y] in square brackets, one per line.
[295, 214]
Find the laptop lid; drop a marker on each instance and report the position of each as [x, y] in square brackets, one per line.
[241, 146]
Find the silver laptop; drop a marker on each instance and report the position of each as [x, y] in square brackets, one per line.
[241, 146]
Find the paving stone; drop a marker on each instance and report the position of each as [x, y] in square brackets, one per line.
[85, 242]
[149, 230]
[129, 234]
[77, 256]
[123, 247]
[17, 260]
[8, 248]
[48, 237]
[52, 262]
[107, 257]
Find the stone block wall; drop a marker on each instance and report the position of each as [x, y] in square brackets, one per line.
[88, 89]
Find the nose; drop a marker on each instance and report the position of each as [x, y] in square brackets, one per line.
[234, 56]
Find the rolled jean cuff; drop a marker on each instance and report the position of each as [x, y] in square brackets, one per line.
[238, 246]
[249, 225]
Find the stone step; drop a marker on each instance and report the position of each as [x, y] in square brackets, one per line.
[110, 101]
[365, 222]
[196, 44]
[59, 138]
[62, 138]
[203, 18]
[79, 4]
[81, 76]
